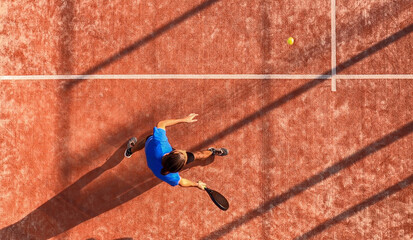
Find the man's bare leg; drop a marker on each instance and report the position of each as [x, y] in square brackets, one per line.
[140, 144]
[202, 155]
[135, 145]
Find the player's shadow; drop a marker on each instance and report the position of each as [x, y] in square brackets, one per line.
[80, 201]
[91, 195]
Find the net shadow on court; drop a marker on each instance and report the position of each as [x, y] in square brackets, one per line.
[62, 154]
[69, 221]
[64, 124]
[60, 209]
[382, 44]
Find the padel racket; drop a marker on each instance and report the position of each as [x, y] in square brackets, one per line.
[218, 199]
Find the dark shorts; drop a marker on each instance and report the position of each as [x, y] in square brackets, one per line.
[190, 155]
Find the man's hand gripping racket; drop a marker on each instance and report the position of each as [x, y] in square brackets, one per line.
[216, 197]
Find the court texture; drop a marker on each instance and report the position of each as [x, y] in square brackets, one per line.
[319, 132]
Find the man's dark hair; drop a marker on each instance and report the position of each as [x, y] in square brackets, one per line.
[172, 162]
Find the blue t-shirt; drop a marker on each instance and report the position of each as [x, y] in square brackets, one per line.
[155, 147]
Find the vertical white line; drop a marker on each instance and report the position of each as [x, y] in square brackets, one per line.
[333, 46]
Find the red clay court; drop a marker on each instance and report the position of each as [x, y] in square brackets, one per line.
[319, 132]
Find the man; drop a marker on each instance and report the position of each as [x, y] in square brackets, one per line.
[164, 161]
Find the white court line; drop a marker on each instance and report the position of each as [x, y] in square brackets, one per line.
[166, 76]
[376, 76]
[205, 76]
[333, 46]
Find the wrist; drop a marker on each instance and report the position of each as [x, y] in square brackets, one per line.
[183, 120]
[201, 185]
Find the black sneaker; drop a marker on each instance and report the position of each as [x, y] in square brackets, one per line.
[131, 143]
[219, 151]
[128, 153]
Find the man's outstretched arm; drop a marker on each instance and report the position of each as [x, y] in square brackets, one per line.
[188, 183]
[166, 123]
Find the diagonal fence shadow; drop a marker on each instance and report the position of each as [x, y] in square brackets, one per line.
[306, 87]
[295, 93]
[229, 130]
[58, 215]
[65, 222]
[315, 179]
[357, 208]
[141, 42]
[64, 107]
[66, 160]
[63, 125]
[356, 26]
[309, 85]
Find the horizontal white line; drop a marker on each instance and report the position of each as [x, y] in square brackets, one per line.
[378, 76]
[164, 76]
[203, 76]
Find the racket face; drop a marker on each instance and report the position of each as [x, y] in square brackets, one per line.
[218, 199]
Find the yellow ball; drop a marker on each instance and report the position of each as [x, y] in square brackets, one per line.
[290, 41]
